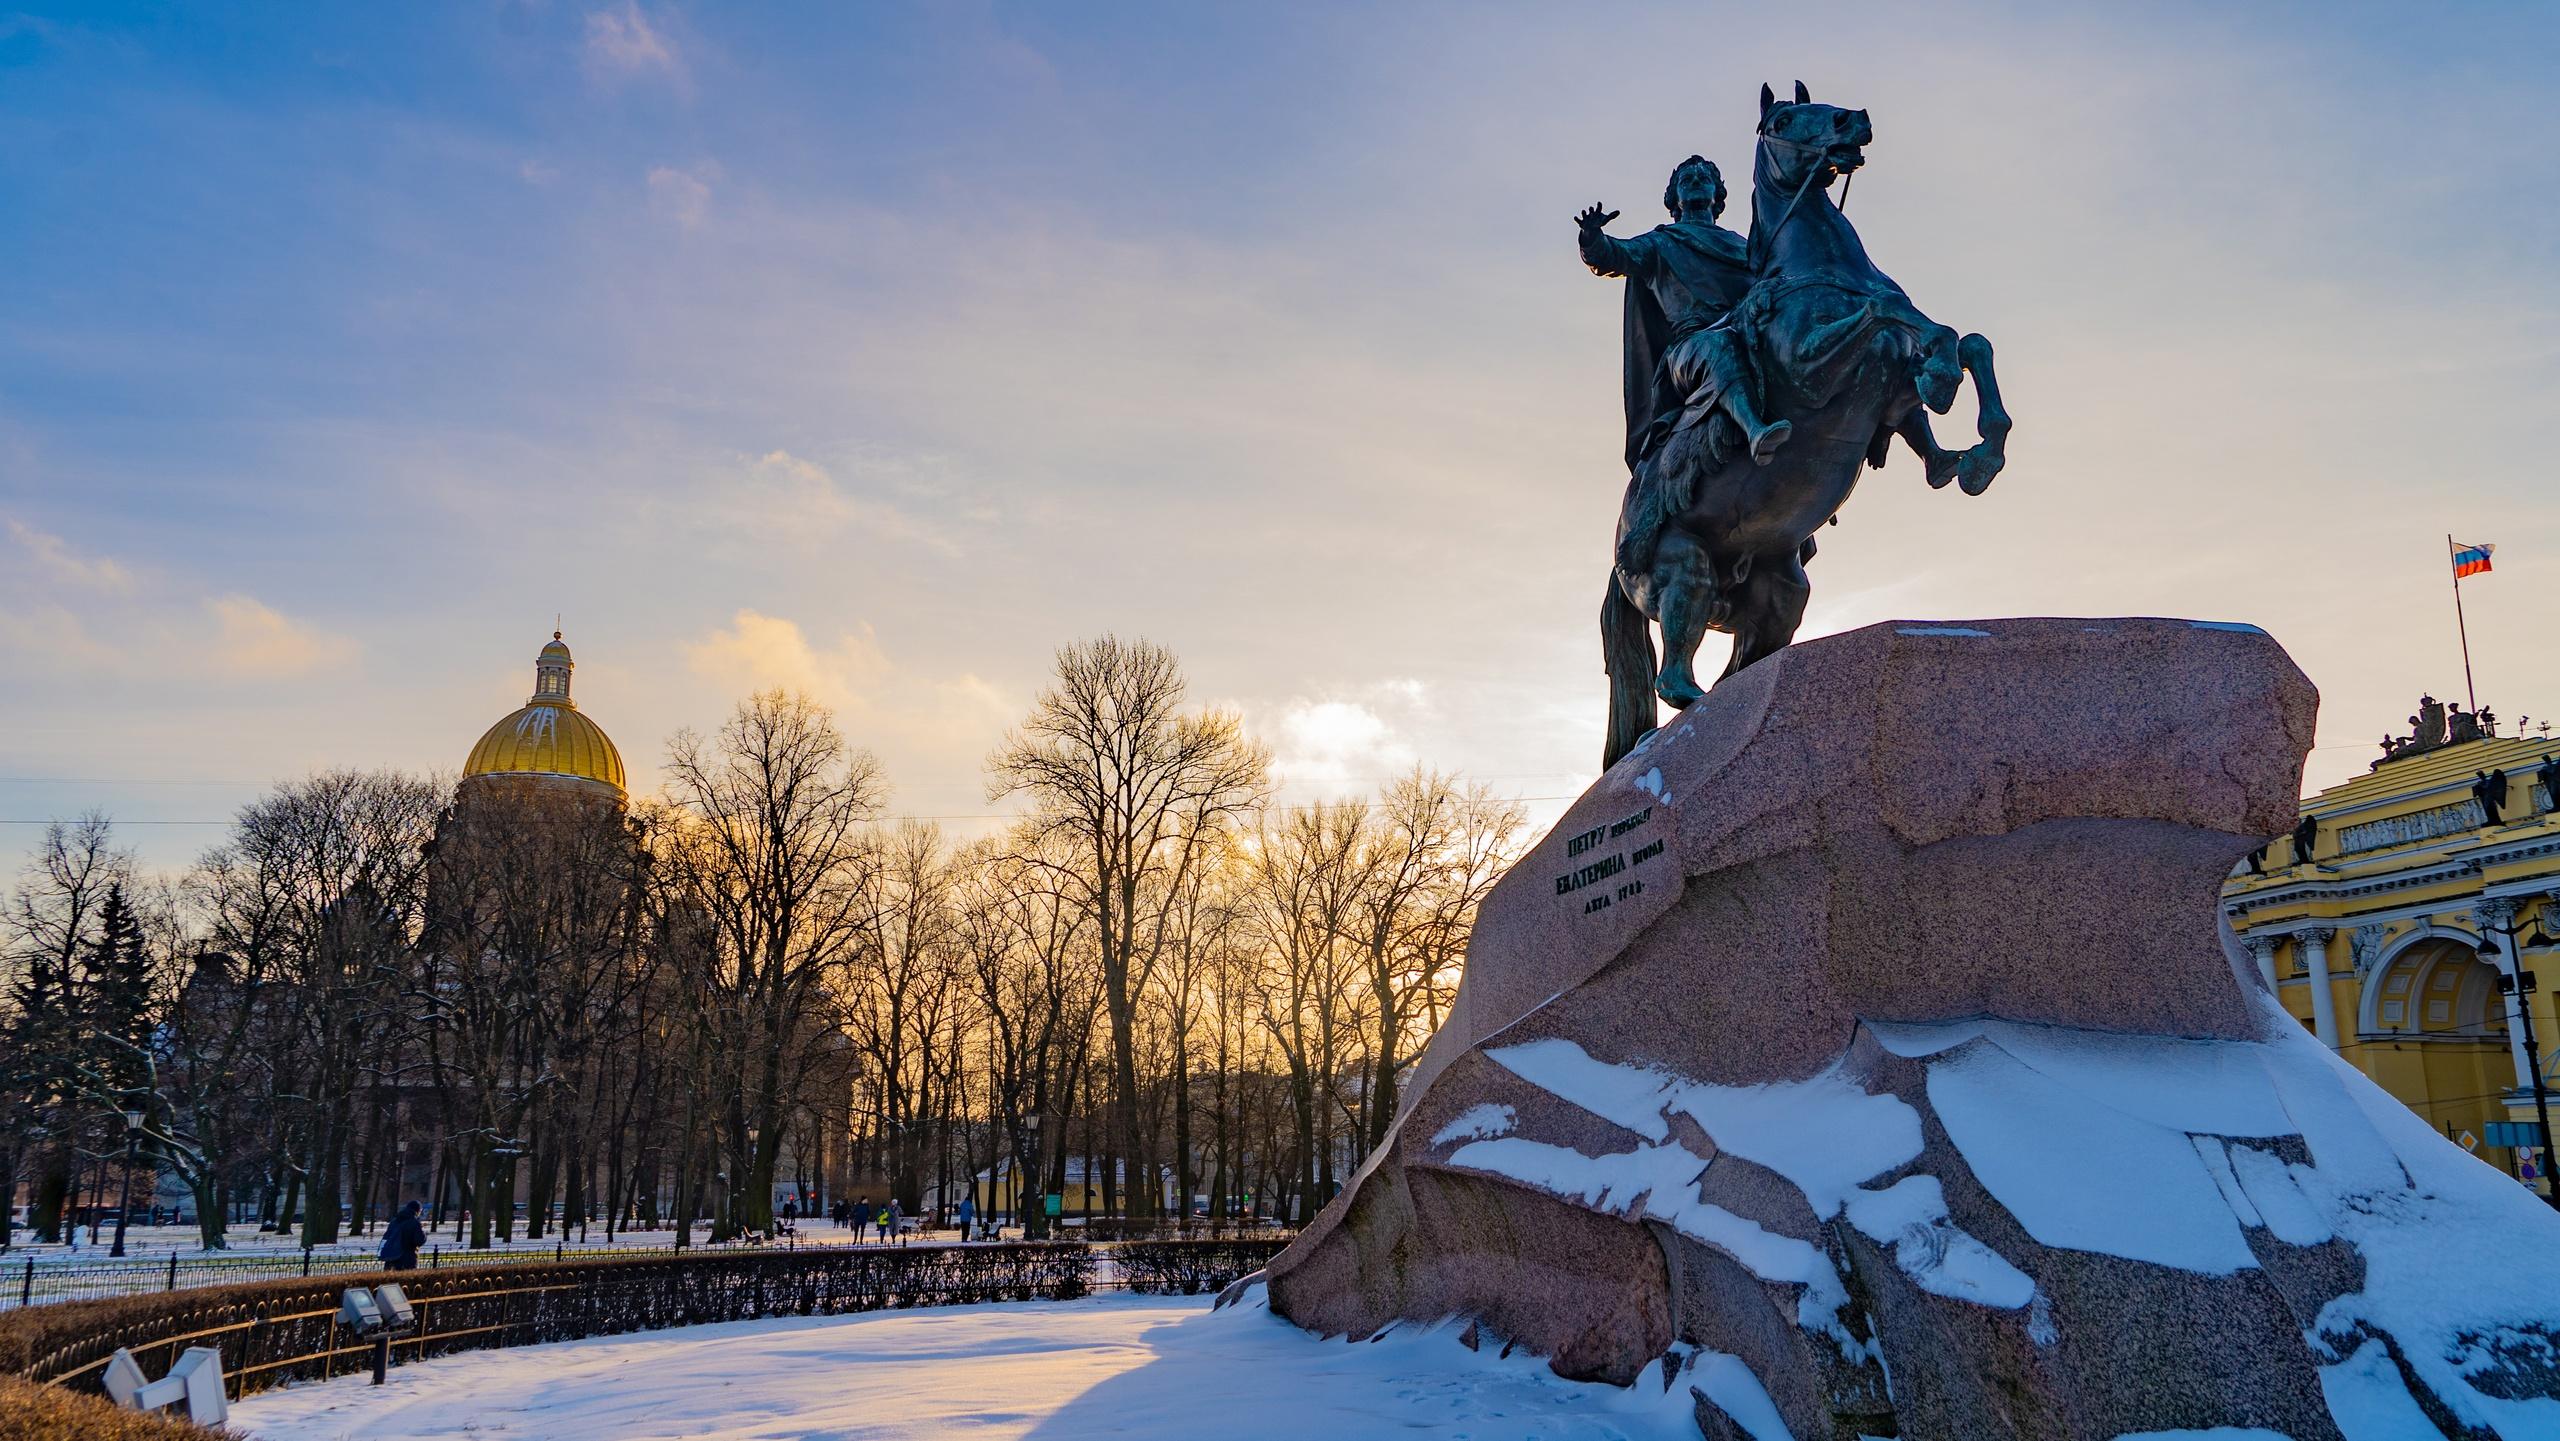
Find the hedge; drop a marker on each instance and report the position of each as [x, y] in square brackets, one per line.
[31, 1412]
[1190, 1268]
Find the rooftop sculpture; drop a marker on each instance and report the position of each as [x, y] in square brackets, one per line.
[2436, 726]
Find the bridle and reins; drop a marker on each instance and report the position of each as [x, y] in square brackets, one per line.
[1811, 174]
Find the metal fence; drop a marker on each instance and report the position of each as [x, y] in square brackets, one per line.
[282, 1331]
[30, 1281]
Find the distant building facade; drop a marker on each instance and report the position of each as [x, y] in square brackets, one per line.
[2387, 920]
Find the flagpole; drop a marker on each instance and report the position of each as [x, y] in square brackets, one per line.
[2461, 627]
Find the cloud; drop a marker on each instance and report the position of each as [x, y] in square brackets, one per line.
[760, 652]
[624, 42]
[758, 505]
[917, 722]
[782, 487]
[254, 641]
[679, 194]
[56, 559]
[72, 614]
[1339, 744]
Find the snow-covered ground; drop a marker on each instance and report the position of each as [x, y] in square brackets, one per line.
[1140, 1368]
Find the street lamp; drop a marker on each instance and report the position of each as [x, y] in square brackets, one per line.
[2519, 984]
[132, 1149]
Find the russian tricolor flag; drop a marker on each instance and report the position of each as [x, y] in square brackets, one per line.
[2470, 559]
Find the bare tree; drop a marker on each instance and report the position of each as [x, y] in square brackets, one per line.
[771, 851]
[1428, 853]
[1138, 791]
[1303, 900]
[901, 1000]
[53, 918]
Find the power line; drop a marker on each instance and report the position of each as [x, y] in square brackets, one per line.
[984, 816]
[258, 785]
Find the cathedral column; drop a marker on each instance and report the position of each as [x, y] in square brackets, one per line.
[2264, 948]
[2499, 911]
[2324, 1004]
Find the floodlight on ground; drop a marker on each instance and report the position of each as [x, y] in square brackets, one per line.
[196, 1380]
[357, 1309]
[393, 1304]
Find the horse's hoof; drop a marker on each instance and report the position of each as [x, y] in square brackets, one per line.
[1976, 472]
[1679, 695]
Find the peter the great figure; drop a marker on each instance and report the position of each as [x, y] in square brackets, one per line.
[1683, 278]
[1760, 376]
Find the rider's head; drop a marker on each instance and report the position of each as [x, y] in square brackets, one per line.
[1696, 187]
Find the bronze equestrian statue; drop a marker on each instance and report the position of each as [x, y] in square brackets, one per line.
[1761, 373]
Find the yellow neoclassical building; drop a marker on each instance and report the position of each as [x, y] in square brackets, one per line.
[2389, 919]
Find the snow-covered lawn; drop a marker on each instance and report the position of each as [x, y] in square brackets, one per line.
[1141, 1368]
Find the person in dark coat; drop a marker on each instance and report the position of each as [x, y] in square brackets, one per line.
[402, 1238]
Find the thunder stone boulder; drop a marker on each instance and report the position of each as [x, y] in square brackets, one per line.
[1865, 1055]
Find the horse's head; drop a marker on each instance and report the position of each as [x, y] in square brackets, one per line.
[1801, 138]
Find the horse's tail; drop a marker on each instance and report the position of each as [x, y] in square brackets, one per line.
[1626, 649]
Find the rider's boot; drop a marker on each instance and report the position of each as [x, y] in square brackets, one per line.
[1761, 437]
[1765, 436]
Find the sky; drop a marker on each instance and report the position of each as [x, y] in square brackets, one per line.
[879, 350]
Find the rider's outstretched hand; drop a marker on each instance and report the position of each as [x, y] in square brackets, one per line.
[1592, 219]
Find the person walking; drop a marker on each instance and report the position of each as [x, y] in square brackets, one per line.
[880, 1220]
[968, 1215]
[402, 1238]
[861, 1217]
[897, 1221]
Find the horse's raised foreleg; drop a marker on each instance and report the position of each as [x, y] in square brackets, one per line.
[1684, 599]
[1939, 462]
[1980, 465]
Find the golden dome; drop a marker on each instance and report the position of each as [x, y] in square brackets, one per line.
[548, 737]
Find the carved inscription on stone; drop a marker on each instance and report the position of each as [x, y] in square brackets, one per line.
[1607, 868]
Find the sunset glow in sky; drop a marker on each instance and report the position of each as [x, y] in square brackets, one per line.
[878, 350]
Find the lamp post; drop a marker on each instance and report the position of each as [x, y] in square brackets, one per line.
[132, 1149]
[2519, 984]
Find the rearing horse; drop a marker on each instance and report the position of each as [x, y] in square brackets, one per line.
[1709, 540]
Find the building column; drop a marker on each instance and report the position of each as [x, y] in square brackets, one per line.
[2499, 911]
[2324, 1005]
[2264, 948]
